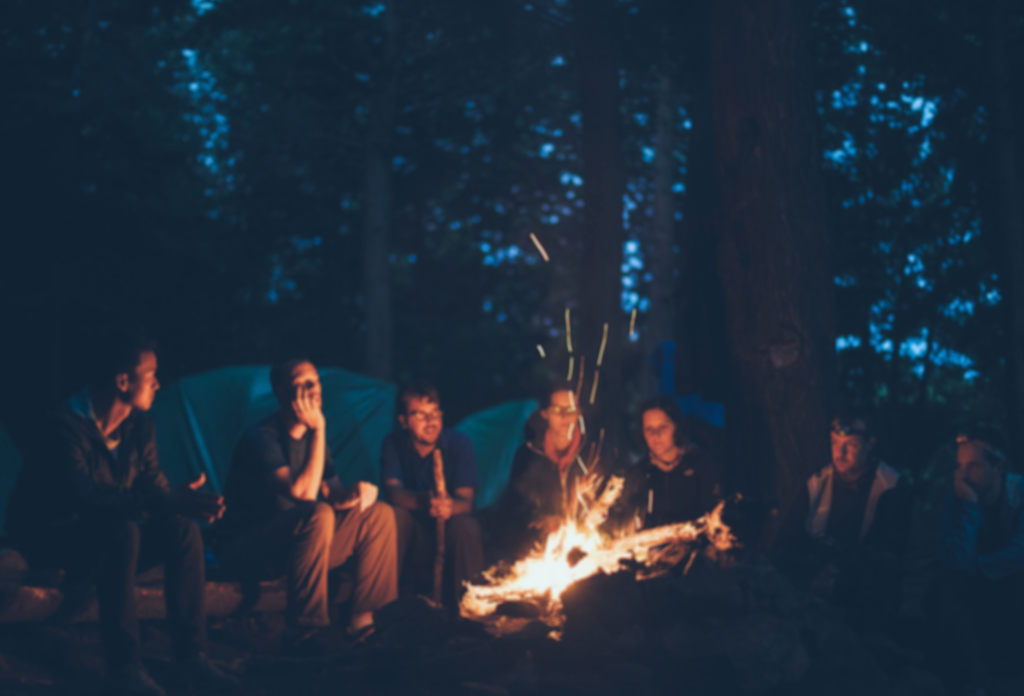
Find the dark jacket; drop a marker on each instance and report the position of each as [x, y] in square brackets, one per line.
[990, 545]
[71, 476]
[653, 497]
[535, 489]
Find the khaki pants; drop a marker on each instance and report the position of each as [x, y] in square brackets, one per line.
[309, 540]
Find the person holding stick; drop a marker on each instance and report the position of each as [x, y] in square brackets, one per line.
[289, 514]
[430, 478]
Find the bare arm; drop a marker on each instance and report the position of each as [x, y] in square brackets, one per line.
[395, 494]
[304, 484]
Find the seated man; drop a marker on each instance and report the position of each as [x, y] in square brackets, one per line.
[978, 598]
[91, 499]
[676, 482]
[845, 538]
[289, 514]
[407, 470]
[559, 465]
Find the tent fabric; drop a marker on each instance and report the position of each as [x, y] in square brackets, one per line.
[496, 434]
[199, 420]
[10, 463]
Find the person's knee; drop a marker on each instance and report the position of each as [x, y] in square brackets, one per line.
[123, 535]
[381, 516]
[317, 519]
[184, 533]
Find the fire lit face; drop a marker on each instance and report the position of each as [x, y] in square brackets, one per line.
[423, 419]
[561, 414]
[978, 472]
[660, 433]
[850, 452]
[138, 387]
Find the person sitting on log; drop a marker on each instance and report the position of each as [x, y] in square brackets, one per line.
[555, 474]
[977, 599]
[407, 472]
[91, 499]
[845, 537]
[677, 481]
[289, 514]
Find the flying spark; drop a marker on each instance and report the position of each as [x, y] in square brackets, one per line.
[540, 247]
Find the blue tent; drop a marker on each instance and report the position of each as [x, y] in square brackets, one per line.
[199, 420]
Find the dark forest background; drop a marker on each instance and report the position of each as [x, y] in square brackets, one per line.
[820, 201]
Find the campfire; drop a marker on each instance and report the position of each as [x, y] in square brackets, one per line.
[532, 587]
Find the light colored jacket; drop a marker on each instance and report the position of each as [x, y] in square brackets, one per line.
[819, 488]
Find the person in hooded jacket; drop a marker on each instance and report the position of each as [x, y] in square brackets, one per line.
[556, 474]
[846, 534]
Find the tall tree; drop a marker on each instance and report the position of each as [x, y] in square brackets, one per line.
[661, 315]
[377, 230]
[1009, 204]
[773, 254]
[597, 60]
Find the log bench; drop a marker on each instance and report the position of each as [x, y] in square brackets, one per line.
[22, 601]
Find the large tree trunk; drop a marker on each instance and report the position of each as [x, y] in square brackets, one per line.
[377, 230]
[773, 253]
[1009, 204]
[660, 324]
[597, 59]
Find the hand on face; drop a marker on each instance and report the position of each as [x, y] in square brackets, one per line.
[962, 489]
[307, 402]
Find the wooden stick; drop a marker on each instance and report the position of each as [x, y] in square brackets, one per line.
[632, 323]
[442, 492]
[593, 390]
[569, 378]
[579, 384]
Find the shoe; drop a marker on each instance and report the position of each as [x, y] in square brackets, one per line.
[311, 642]
[134, 680]
[199, 671]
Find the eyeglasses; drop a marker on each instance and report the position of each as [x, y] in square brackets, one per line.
[562, 410]
[421, 417]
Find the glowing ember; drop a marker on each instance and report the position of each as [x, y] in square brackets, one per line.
[576, 551]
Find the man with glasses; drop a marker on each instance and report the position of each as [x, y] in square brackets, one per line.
[978, 598]
[845, 537]
[407, 471]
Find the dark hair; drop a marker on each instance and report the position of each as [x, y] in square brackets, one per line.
[417, 389]
[120, 352]
[280, 369]
[997, 450]
[848, 415]
[546, 389]
[671, 408]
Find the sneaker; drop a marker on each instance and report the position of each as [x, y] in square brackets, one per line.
[199, 671]
[310, 642]
[134, 680]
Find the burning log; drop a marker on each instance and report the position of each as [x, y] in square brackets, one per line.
[577, 551]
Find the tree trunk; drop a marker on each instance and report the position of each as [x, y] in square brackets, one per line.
[773, 249]
[1009, 219]
[660, 324]
[597, 59]
[377, 230]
